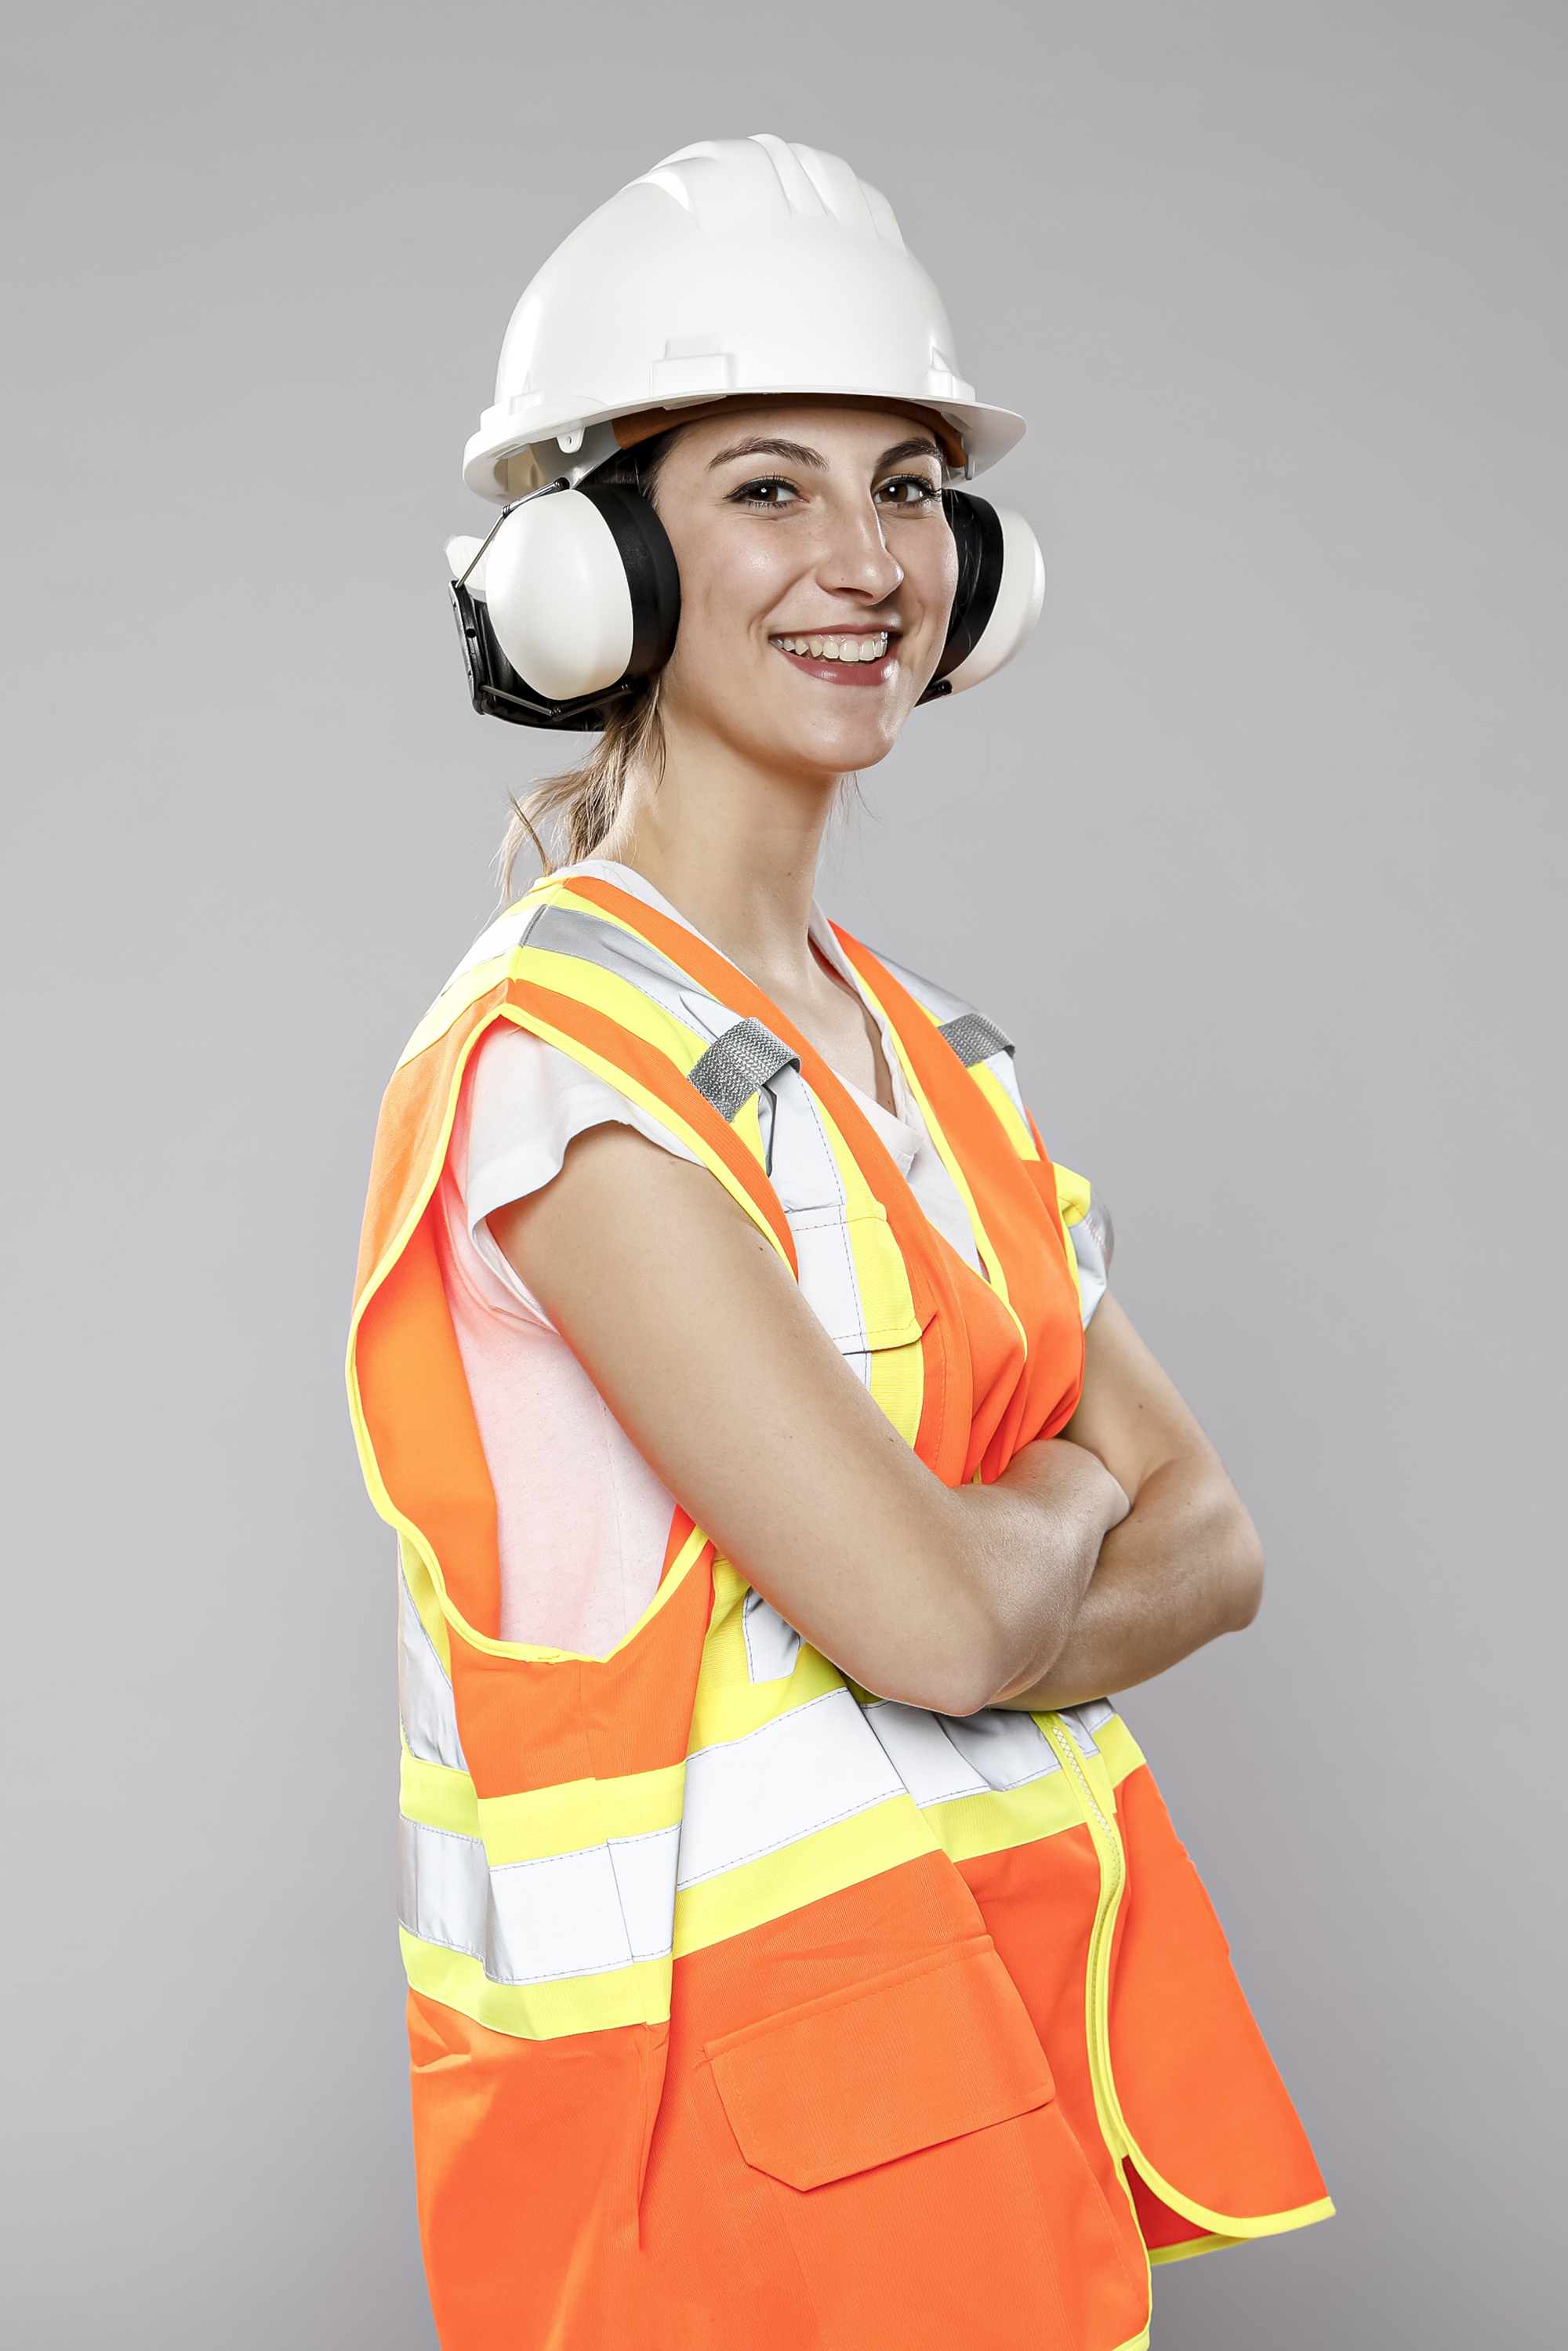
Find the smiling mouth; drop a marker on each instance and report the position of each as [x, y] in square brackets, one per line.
[861, 646]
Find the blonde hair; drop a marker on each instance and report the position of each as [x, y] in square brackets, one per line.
[579, 806]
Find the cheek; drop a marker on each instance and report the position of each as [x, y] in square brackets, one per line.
[930, 560]
[731, 584]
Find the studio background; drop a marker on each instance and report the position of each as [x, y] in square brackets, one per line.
[1255, 851]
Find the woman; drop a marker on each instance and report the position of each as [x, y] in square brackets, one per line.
[799, 1950]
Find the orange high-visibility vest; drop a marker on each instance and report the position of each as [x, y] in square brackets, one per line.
[746, 2008]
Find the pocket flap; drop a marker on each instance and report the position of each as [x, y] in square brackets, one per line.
[927, 2053]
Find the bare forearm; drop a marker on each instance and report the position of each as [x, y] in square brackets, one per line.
[1027, 1547]
[1182, 1568]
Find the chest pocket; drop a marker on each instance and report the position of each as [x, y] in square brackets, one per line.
[854, 1278]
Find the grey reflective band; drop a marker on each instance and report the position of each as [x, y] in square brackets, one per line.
[975, 1038]
[738, 1064]
[1097, 1217]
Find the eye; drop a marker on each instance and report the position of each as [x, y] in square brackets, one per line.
[910, 491]
[770, 494]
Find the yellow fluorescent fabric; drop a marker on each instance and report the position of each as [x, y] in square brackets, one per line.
[638, 1994]
[806, 1871]
[547, 1821]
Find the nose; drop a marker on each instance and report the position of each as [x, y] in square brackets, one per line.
[854, 560]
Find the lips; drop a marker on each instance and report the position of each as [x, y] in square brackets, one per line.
[862, 657]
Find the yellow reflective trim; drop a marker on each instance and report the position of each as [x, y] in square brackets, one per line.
[637, 1994]
[542, 1821]
[453, 1002]
[897, 1384]
[618, 999]
[1073, 1194]
[968, 1826]
[730, 1705]
[1002, 1102]
[1119, 1750]
[1082, 1773]
[438, 1796]
[887, 1303]
[748, 1125]
[1159, 2254]
[1228, 2228]
[466, 988]
[845, 1854]
[949, 1158]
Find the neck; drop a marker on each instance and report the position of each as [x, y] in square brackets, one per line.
[734, 846]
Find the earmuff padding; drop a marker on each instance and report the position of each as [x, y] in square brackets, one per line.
[1000, 590]
[1015, 608]
[653, 577]
[978, 537]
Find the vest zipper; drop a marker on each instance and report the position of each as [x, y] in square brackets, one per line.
[1107, 1844]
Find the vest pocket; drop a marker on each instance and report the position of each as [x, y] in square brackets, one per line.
[929, 2051]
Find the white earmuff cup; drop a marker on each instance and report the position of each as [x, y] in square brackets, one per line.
[557, 595]
[1020, 599]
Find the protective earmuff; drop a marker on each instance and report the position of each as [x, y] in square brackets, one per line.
[999, 595]
[574, 597]
[571, 601]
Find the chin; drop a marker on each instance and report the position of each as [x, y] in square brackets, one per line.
[832, 742]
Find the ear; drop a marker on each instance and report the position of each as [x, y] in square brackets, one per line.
[999, 596]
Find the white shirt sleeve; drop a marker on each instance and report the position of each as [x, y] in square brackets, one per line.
[527, 1101]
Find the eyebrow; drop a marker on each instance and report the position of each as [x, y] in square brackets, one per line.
[921, 446]
[795, 453]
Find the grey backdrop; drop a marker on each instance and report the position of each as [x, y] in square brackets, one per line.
[1253, 851]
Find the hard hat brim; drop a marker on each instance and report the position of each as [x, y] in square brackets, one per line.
[987, 434]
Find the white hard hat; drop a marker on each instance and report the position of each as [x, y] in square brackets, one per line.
[738, 267]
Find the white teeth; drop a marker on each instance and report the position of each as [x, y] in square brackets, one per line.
[839, 649]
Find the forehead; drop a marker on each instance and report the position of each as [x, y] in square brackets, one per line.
[850, 433]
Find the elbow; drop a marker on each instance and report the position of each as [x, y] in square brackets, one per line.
[1243, 1553]
[962, 1659]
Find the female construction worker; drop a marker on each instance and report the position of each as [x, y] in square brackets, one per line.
[799, 1950]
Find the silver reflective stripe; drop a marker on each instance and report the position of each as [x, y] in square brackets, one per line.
[443, 1887]
[1089, 1237]
[590, 938]
[922, 1754]
[939, 1756]
[975, 1038]
[771, 1644]
[1096, 1220]
[1084, 1720]
[738, 1064]
[573, 1913]
[817, 1764]
[580, 1913]
[1007, 1749]
[424, 1696]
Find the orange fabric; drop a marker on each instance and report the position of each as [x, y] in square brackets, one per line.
[1022, 1219]
[959, 2240]
[875, 2115]
[422, 1425]
[827, 2089]
[1202, 2099]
